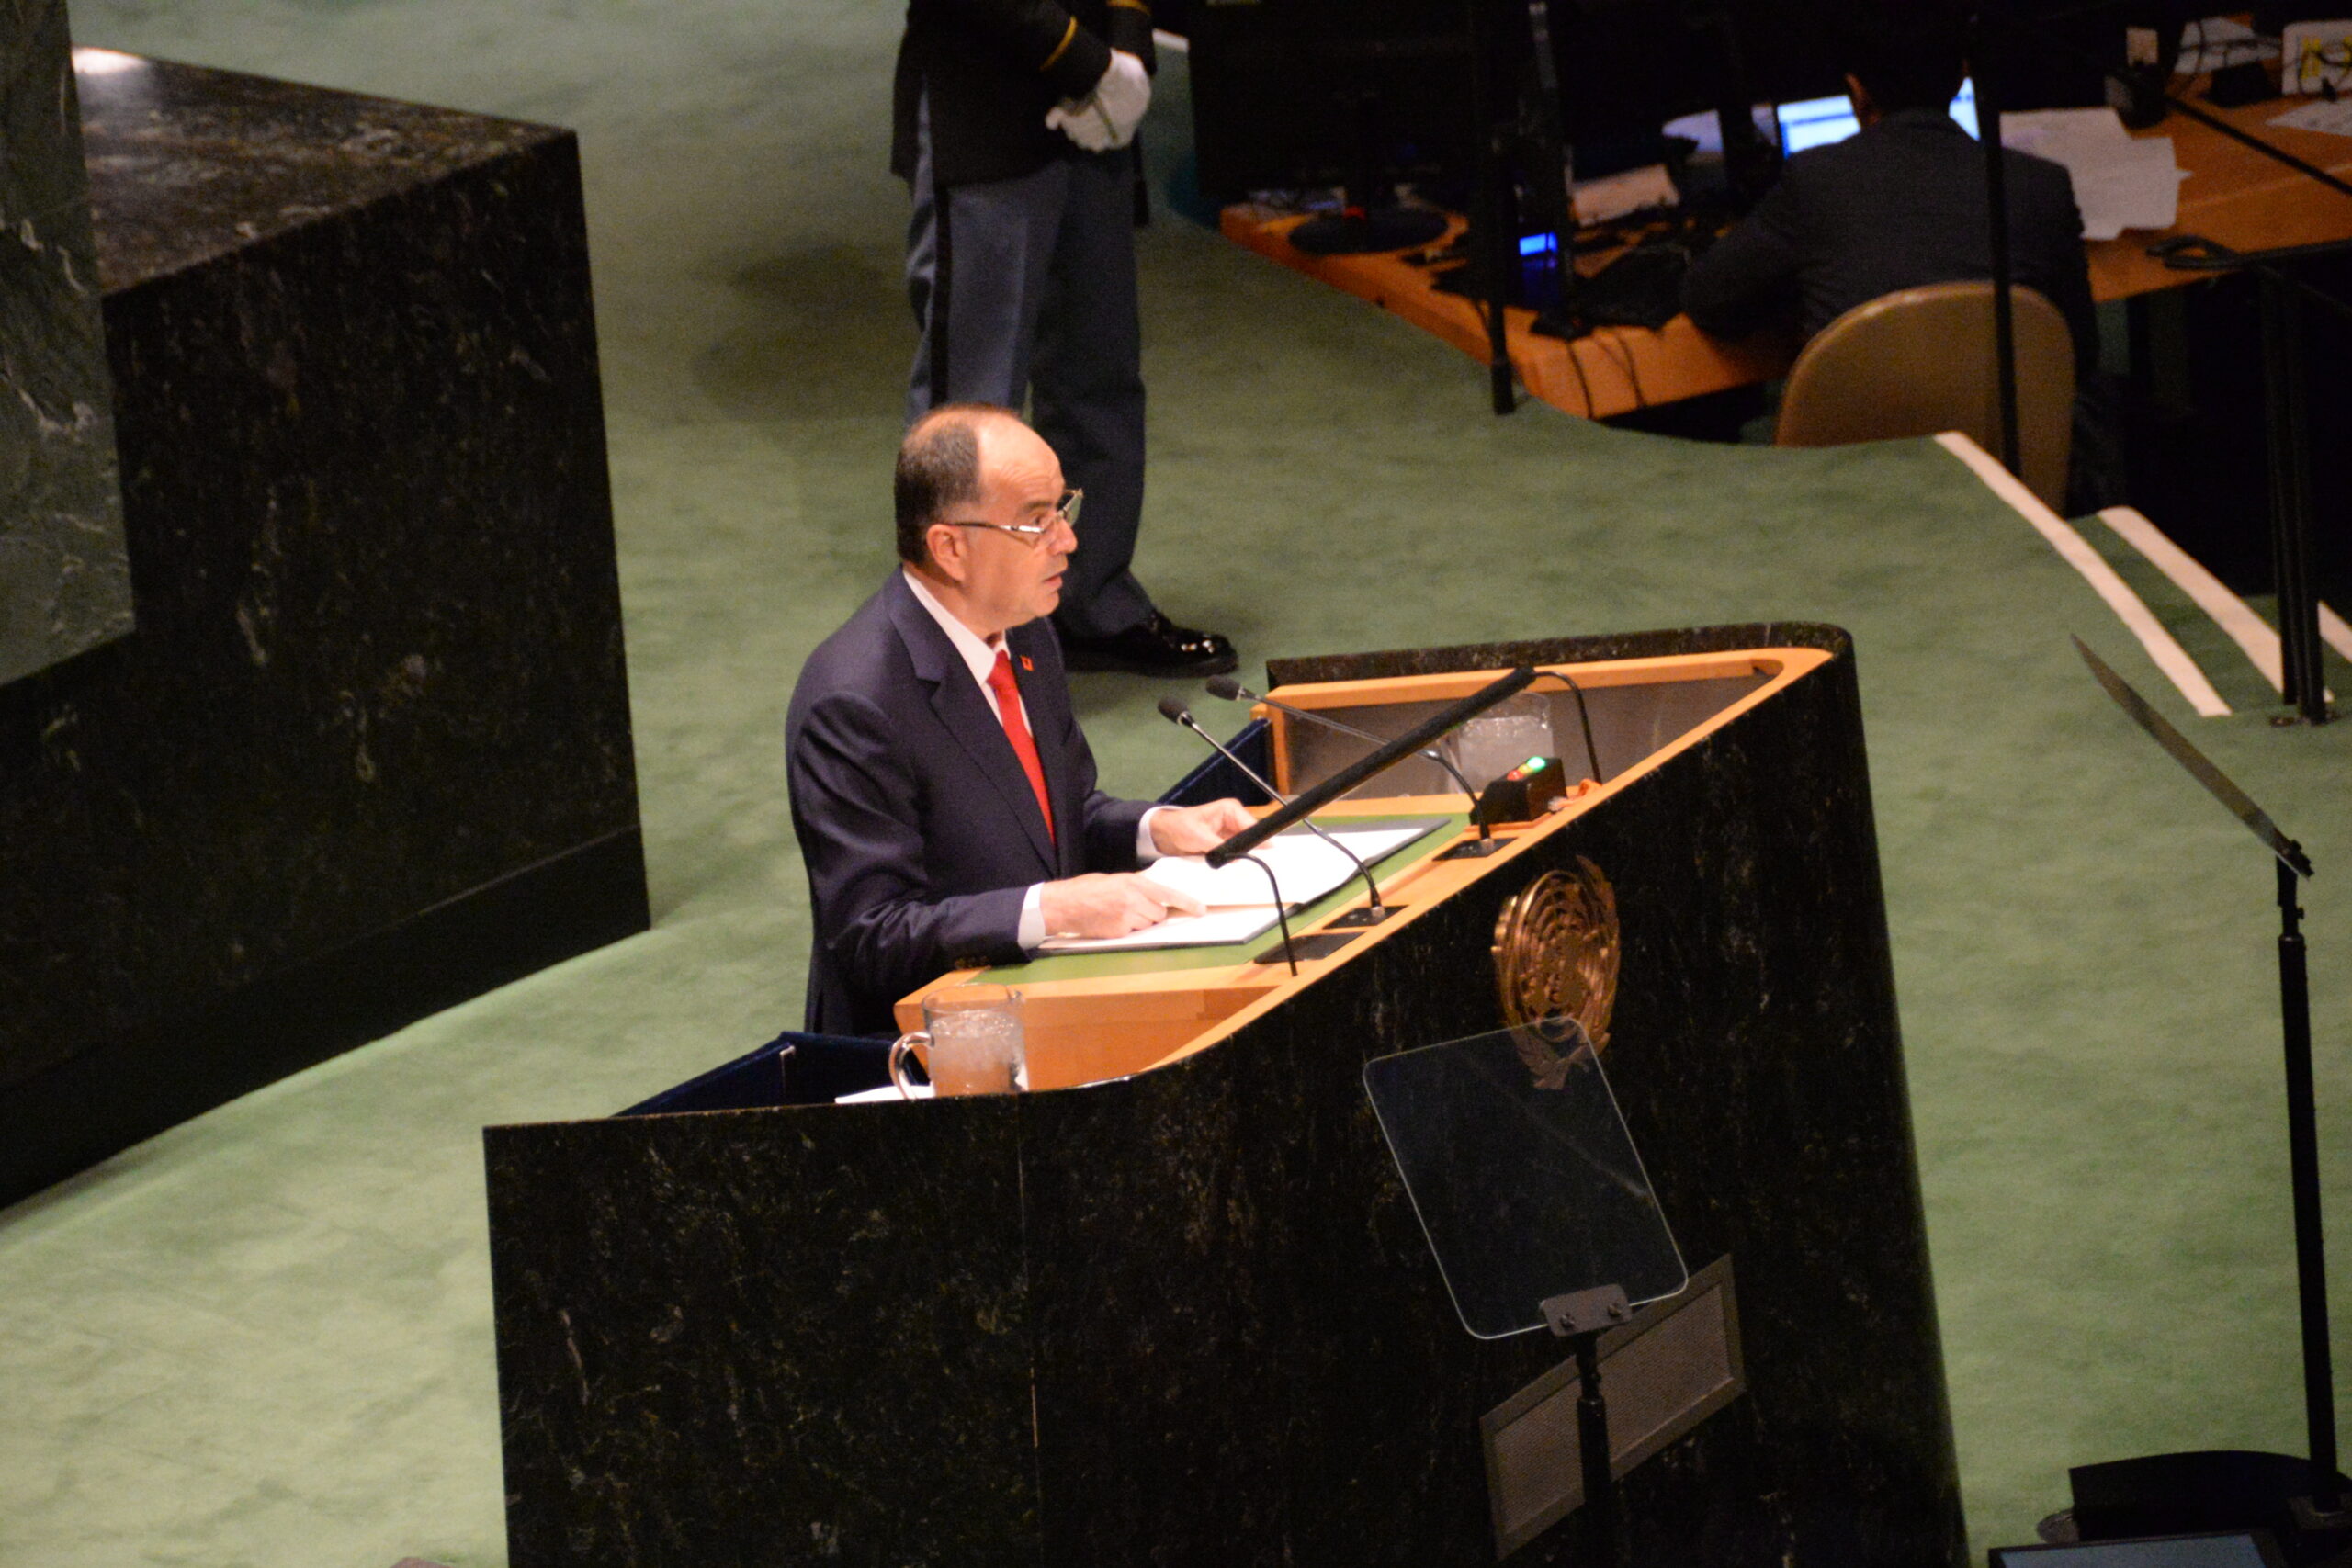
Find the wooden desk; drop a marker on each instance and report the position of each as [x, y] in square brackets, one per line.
[2232, 194]
[1615, 370]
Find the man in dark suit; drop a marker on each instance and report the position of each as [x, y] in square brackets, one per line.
[942, 792]
[1899, 204]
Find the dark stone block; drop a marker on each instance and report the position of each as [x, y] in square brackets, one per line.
[1238, 1350]
[377, 691]
[64, 568]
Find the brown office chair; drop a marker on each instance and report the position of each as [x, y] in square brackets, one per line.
[1920, 361]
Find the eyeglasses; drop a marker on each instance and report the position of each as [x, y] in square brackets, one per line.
[1065, 512]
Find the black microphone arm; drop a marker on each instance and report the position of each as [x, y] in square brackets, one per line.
[1176, 712]
[1233, 691]
[1392, 753]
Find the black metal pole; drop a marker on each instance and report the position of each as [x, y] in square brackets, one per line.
[2291, 499]
[1494, 247]
[1996, 227]
[1602, 1544]
[2302, 1153]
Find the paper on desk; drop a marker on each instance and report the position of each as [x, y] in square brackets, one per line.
[887, 1092]
[1215, 929]
[1305, 867]
[2121, 181]
[1239, 899]
[2335, 118]
[2218, 41]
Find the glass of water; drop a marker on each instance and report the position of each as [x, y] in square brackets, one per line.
[1502, 737]
[972, 1041]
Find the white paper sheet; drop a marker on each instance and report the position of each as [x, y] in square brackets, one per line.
[2121, 181]
[1304, 866]
[1240, 902]
[2334, 119]
[2216, 42]
[888, 1093]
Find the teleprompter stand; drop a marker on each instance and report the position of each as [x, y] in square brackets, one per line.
[1537, 1208]
[1581, 1318]
[2305, 1501]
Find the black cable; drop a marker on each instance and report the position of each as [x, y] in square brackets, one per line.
[1591, 752]
[2194, 252]
[1625, 362]
[1281, 914]
[1584, 382]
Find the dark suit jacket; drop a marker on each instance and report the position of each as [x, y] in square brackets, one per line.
[919, 827]
[1897, 205]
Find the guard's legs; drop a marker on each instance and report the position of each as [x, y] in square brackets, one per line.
[977, 260]
[1087, 390]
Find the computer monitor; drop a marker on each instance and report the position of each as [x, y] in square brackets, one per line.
[1818, 122]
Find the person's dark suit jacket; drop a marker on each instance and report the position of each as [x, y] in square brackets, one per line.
[1899, 204]
[919, 827]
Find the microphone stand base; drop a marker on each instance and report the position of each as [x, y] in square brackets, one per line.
[1359, 917]
[1473, 848]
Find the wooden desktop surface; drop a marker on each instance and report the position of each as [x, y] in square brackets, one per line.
[2233, 195]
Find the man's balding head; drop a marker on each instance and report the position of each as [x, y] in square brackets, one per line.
[939, 470]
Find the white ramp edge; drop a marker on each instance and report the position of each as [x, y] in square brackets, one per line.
[2162, 649]
[2253, 635]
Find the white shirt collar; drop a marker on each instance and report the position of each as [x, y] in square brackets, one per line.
[977, 653]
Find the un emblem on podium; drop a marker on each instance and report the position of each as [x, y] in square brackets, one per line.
[1556, 952]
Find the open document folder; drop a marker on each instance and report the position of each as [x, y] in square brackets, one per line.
[1239, 898]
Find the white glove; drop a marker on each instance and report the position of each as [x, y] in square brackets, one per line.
[1107, 116]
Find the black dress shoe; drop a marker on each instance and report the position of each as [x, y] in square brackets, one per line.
[1154, 646]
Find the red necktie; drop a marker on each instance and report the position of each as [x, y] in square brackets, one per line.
[1016, 729]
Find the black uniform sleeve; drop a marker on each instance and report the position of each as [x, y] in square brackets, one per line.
[1042, 35]
[1129, 28]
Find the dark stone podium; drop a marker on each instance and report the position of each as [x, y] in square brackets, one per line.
[366, 752]
[1185, 1314]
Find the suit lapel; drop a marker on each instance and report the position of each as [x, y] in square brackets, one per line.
[969, 715]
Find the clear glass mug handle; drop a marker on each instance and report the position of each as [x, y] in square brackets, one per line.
[901, 1049]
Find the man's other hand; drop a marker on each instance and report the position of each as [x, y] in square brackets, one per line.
[1197, 829]
[1112, 904]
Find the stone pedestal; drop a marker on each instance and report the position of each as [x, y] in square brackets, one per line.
[367, 751]
[64, 574]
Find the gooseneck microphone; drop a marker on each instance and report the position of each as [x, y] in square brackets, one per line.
[1384, 756]
[1233, 691]
[1177, 714]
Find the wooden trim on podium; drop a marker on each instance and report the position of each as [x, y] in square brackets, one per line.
[1102, 1027]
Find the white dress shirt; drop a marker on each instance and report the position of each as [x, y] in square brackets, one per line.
[979, 654]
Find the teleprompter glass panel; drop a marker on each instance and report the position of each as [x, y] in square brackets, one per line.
[1525, 1179]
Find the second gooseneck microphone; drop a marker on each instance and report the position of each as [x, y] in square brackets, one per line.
[1177, 714]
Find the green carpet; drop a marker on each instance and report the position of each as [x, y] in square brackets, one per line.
[265, 1337]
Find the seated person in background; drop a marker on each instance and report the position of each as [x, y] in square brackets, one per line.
[942, 793]
[1897, 205]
